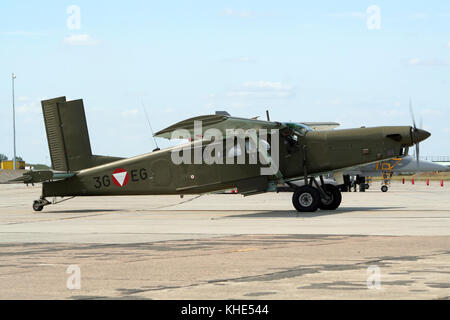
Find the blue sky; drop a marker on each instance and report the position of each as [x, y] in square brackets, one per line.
[304, 61]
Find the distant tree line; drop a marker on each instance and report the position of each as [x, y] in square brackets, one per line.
[4, 157]
[37, 166]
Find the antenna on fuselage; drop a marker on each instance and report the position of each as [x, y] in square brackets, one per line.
[150, 126]
[267, 115]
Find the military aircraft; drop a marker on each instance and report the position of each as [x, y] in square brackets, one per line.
[358, 176]
[254, 156]
[386, 169]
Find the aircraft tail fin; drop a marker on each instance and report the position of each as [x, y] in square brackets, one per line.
[68, 136]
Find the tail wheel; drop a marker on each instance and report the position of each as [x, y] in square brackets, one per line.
[37, 206]
[335, 198]
[306, 199]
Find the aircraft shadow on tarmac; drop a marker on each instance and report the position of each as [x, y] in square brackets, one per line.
[320, 213]
[87, 211]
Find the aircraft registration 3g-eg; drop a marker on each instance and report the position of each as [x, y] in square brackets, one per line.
[255, 158]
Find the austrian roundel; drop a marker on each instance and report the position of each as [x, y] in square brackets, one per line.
[120, 177]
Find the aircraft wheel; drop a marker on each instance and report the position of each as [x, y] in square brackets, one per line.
[362, 187]
[37, 206]
[367, 186]
[335, 198]
[384, 188]
[306, 199]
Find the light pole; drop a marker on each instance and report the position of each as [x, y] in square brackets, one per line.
[14, 121]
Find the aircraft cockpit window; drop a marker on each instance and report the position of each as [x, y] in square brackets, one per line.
[235, 151]
[250, 147]
[298, 127]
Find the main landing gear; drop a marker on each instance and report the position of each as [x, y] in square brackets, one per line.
[312, 196]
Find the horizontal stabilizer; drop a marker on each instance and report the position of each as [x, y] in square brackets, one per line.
[39, 176]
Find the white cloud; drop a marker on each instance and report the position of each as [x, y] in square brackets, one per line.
[262, 89]
[430, 112]
[30, 107]
[414, 61]
[239, 13]
[259, 94]
[267, 85]
[242, 59]
[129, 112]
[80, 40]
[246, 13]
[353, 15]
[428, 62]
[392, 113]
[19, 33]
[421, 16]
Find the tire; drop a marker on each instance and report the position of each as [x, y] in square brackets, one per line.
[37, 206]
[306, 199]
[336, 198]
[384, 188]
[367, 186]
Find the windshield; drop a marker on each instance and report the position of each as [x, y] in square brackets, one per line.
[298, 127]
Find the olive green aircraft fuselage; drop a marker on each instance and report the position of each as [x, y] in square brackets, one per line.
[317, 152]
[267, 154]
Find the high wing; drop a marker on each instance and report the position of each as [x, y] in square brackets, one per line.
[221, 122]
[321, 126]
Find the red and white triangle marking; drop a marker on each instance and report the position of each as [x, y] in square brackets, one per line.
[120, 177]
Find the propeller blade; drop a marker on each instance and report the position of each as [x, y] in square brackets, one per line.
[412, 114]
[418, 160]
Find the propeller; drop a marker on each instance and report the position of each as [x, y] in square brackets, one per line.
[417, 153]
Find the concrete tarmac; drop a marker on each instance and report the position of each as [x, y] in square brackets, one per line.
[393, 245]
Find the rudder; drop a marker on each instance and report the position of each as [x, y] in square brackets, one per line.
[68, 136]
